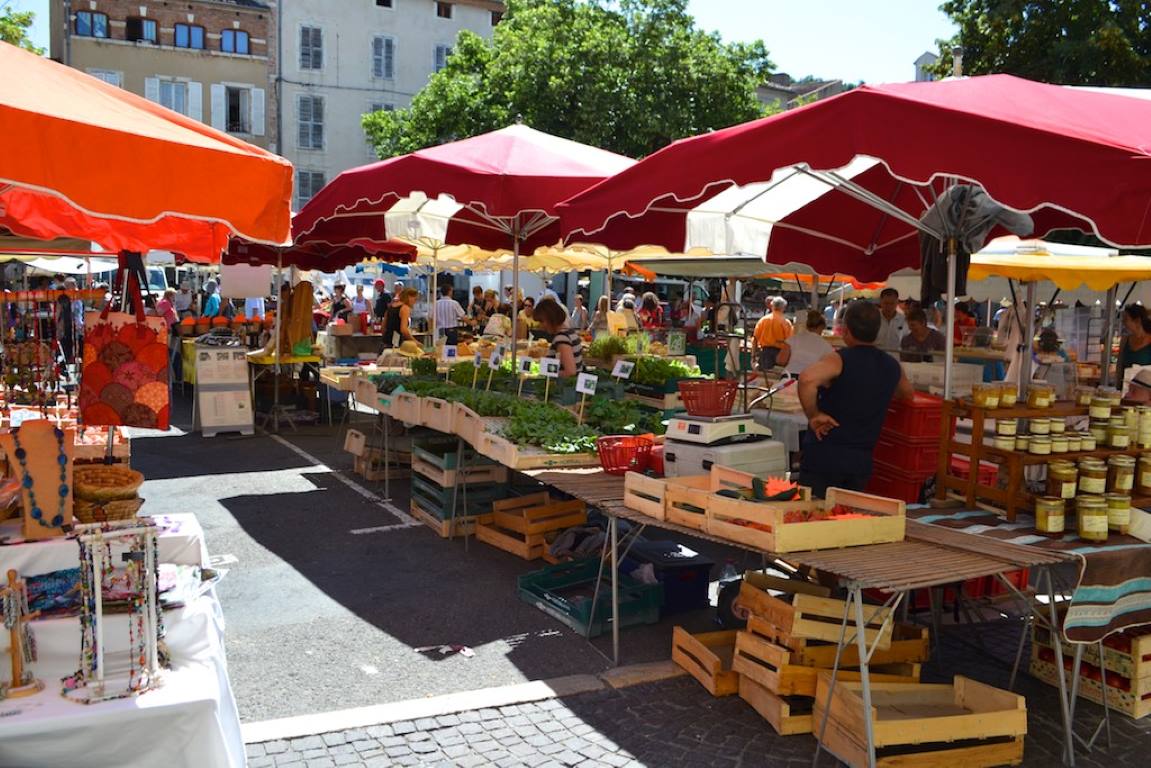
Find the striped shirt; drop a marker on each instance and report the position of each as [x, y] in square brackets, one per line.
[568, 337]
[448, 313]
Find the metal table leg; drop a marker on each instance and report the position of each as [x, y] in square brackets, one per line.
[864, 673]
[615, 589]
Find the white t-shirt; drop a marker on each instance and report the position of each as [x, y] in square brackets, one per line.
[806, 348]
[891, 333]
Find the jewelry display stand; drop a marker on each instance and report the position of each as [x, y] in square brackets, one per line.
[40, 455]
[14, 598]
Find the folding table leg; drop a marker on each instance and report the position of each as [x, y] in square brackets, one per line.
[864, 673]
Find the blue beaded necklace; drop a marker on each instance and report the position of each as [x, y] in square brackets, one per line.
[62, 491]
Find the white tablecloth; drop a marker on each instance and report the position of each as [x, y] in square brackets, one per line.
[181, 542]
[190, 721]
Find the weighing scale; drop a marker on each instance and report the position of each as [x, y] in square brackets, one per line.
[716, 430]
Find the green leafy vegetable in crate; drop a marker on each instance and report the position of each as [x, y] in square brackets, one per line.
[549, 427]
[623, 417]
[606, 347]
[423, 366]
[657, 370]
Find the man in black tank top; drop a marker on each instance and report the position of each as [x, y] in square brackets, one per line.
[845, 397]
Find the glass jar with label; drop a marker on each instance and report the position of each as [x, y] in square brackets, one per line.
[1050, 515]
[1040, 445]
[1121, 474]
[1092, 511]
[1084, 395]
[1143, 476]
[985, 395]
[1143, 432]
[1092, 477]
[1087, 441]
[1118, 512]
[1008, 394]
[1058, 426]
[1060, 444]
[1119, 437]
[1100, 408]
[1004, 442]
[1062, 479]
[1006, 427]
[1040, 396]
[1131, 418]
[1039, 426]
[1022, 442]
[1098, 430]
[1112, 394]
[1074, 442]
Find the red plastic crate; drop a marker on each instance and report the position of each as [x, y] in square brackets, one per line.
[961, 468]
[915, 418]
[890, 482]
[916, 456]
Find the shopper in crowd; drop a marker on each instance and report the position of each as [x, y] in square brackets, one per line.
[398, 318]
[360, 305]
[67, 327]
[382, 300]
[650, 313]
[184, 300]
[845, 396]
[566, 345]
[166, 308]
[627, 295]
[526, 320]
[341, 307]
[1049, 348]
[598, 323]
[448, 314]
[579, 316]
[476, 306]
[211, 306]
[921, 340]
[499, 322]
[1136, 347]
[629, 316]
[963, 319]
[805, 346]
[892, 324]
[772, 330]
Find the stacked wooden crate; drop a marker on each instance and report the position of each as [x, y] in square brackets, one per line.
[368, 461]
[443, 477]
[525, 525]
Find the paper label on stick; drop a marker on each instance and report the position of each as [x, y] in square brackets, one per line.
[586, 383]
[550, 367]
[479, 359]
[525, 366]
[622, 369]
[496, 358]
[451, 353]
[676, 343]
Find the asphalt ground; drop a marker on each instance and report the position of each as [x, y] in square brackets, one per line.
[324, 616]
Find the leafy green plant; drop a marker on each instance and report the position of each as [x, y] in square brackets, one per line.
[606, 347]
[657, 370]
[423, 366]
[549, 427]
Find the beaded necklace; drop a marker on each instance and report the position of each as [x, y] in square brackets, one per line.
[62, 490]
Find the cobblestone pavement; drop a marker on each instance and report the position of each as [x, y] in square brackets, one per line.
[672, 723]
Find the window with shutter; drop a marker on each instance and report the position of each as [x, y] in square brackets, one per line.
[310, 115]
[311, 48]
[384, 57]
[308, 183]
[442, 54]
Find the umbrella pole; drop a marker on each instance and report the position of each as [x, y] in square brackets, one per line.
[949, 359]
[432, 298]
[279, 321]
[1105, 352]
[515, 289]
[1028, 337]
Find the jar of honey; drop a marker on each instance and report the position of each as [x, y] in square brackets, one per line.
[1050, 515]
[1074, 442]
[1062, 478]
[1084, 395]
[1119, 437]
[1006, 427]
[1060, 444]
[1022, 442]
[1092, 477]
[1039, 426]
[1143, 475]
[1100, 408]
[1118, 512]
[1098, 430]
[1087, 441]
[1040, 396]
[1004, 442]
[1092, 511]
[1121, 474]
[1040, 445]
[1112, 394]
[1008, 394]
[1058, 426]
[985, 395]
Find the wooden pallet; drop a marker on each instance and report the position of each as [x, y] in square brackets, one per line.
[530, 547]
[445, 529]
[809, 617]
[686, 499]
[788, 715]
[965, 724]
[764, 525]
[447, 478]
[707, 657]
[370, 466]
[644, 494]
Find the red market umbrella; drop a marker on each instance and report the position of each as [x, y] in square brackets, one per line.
[505, 185]
[319, 257]
[84, 159]
[1070, 158]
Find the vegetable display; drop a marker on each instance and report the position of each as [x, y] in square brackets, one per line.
[657, 370]
[422, 366]
[606, 347]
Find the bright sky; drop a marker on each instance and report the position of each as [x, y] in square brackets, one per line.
[872, 41]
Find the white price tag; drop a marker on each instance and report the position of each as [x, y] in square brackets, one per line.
[586, 382]
[622, 369]
[479, 359]
[550, 367]
[525, 366]
[451, 353]
[496, 358]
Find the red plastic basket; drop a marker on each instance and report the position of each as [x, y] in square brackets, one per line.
[704, 397]
[620, 454]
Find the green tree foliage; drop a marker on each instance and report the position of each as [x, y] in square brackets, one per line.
[629, 76]
[1073, 42]
[14, 26]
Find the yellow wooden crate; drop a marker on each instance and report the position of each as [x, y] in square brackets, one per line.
[644, 494]
[707, 657]
[809, 617]
[686, 499]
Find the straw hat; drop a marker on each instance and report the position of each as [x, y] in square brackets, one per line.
[410, 349]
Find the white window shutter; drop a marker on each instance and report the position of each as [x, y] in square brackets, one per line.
[390, 58]
[152, 89]
[219, 107]
[257, 111]
[196, 101]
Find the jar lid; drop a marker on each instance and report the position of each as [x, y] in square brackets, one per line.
[1090, 500]
[1122, 461]
[1117, 497]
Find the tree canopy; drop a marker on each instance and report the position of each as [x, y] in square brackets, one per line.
[14, 26]
[625, 75]
[1072, 42]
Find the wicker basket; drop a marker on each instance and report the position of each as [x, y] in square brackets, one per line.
[105, 482]
[105, 512]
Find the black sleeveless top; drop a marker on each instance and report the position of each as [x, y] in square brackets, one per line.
[392, 326]
[858, 400]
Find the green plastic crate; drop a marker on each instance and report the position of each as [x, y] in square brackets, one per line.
[564, 592]
[444, 454]
[438, 501]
